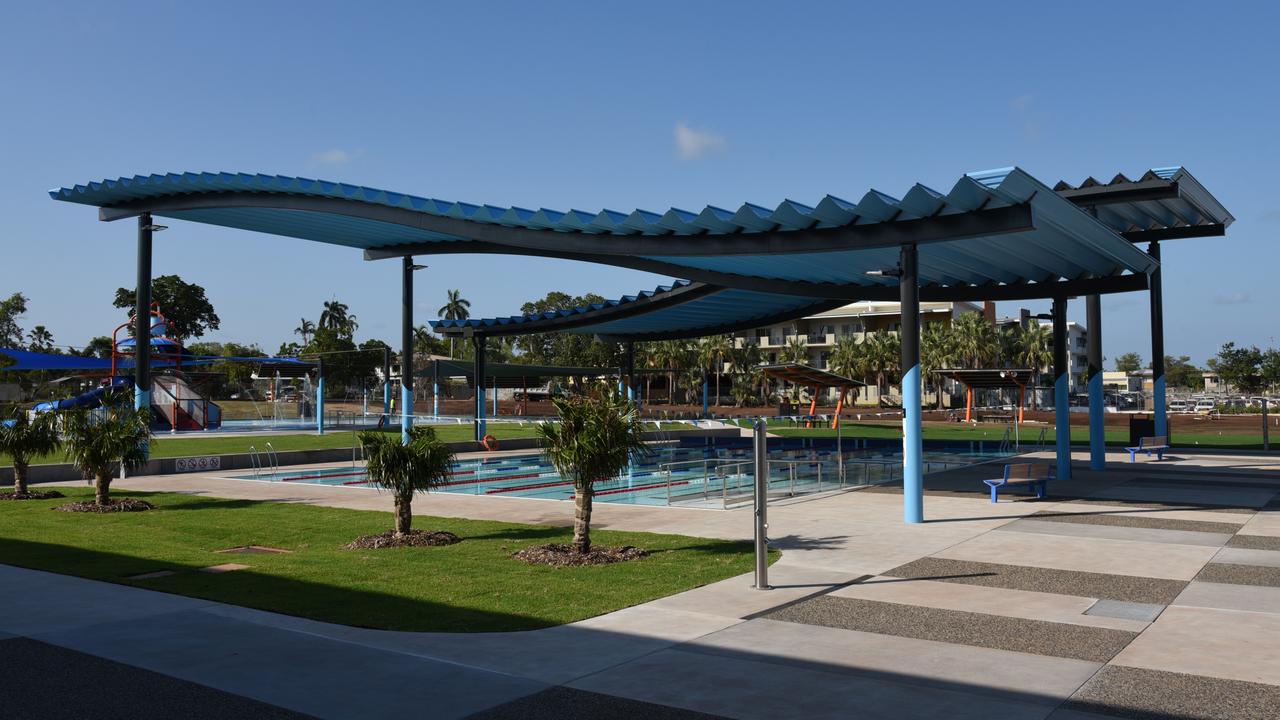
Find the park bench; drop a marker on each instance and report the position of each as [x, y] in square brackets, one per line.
[1033, 475]
[1149, 445]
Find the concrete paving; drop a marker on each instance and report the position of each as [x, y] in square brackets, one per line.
[713, 650]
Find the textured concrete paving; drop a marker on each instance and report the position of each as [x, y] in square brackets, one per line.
[712, 650]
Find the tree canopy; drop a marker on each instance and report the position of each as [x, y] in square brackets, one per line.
[183, 303]
[1129, 362]
[11, 308]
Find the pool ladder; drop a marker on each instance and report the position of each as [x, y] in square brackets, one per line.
[256, 459]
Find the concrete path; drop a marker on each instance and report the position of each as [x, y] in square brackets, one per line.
[981, 612]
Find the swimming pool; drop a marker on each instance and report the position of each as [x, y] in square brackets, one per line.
[695, 473]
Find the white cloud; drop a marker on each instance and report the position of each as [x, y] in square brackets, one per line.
[336, 156]
[1027, 115]
[1272, 216]
[692, 144]
[1239, 298]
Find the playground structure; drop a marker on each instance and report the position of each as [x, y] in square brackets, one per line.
[175, 405]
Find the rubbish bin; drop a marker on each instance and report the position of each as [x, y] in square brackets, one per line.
[1140, 426]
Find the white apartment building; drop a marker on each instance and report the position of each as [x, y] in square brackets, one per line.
[1077, 349]
[820, 332]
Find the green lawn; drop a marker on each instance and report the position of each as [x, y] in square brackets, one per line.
[1029, 434]
[219, 444]
[473, 586]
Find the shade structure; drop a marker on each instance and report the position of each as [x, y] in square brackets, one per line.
[1162, 204]
[989, 378]
[807, 376]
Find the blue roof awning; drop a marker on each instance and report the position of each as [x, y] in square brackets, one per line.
[998, 234]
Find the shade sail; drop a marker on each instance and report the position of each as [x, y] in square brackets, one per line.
[807, 376]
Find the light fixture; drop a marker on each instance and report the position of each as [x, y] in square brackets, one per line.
[155, 228]
[891, 272]
[415, 268]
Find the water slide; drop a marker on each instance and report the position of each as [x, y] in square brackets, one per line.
[175, 405]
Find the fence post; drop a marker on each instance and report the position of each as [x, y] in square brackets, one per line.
[1266, 433]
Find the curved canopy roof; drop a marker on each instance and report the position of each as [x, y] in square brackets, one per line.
[998, 234]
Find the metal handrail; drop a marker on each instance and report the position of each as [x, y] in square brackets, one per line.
[274, 458]
[255, 461]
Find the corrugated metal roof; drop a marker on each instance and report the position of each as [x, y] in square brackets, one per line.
[1187, 204]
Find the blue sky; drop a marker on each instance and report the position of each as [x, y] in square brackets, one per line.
[617, 105]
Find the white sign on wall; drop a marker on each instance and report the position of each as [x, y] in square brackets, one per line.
[198, 464]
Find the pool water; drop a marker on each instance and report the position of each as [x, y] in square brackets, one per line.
[698, 475]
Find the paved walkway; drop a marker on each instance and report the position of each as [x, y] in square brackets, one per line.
[1149, 590]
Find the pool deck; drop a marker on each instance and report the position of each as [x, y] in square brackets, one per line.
[1148, 590]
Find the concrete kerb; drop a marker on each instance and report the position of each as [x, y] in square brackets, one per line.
[62, 472]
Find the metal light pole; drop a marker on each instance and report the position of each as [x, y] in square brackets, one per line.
[761, 445]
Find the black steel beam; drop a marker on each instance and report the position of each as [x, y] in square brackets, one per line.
[725, 328]
[142, 312]
[939, 228]
[1175, 233]
[640, 306]
[1140, 191]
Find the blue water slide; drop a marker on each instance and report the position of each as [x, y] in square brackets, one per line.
[91, 399]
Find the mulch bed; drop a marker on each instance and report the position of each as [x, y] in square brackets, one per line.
[32, 495]
[557, 555]
[413, 538]
[112, 506]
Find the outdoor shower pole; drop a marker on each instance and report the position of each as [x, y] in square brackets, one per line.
[478, 345]
[760, 441]
[320, 396]
[406, 348]
[386, 385]
[1097, 418]
[435, 388]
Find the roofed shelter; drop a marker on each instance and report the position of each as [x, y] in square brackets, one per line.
[810, 377]
[996, 235]
[989, 379]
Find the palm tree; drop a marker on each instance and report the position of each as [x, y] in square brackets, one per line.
[455, 308]
[745, 363]
[421, 465]
[596, 438]
[711, 354]
[23, 437]
[796, 351]
[976, 341]
[337, 316]
[305, 328]
[937, 351]
[41, 339]
[672, 355]
[99, 442]
[883, 357]
[850, 358]
[1035, 351]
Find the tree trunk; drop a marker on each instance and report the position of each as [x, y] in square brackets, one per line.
[19, 477]
[404, 515]
[582, 518]
[102, 489]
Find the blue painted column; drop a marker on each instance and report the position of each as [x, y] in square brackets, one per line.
[320, 396]
[706, 405]
[478, 345]
[631, 371]
[1097, 410]
[435, 388]
[406, 348]
[1061, 398]
[1159, 411]
[912, 427]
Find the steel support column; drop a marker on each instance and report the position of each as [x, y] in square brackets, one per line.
[435, 388]
[478, 345]
[1097, 411]
[1061, 399]
[406, 349]
[1159, 411]
[912, 431]
[142, 317]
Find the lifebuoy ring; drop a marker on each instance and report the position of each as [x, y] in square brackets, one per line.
[490, 443]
